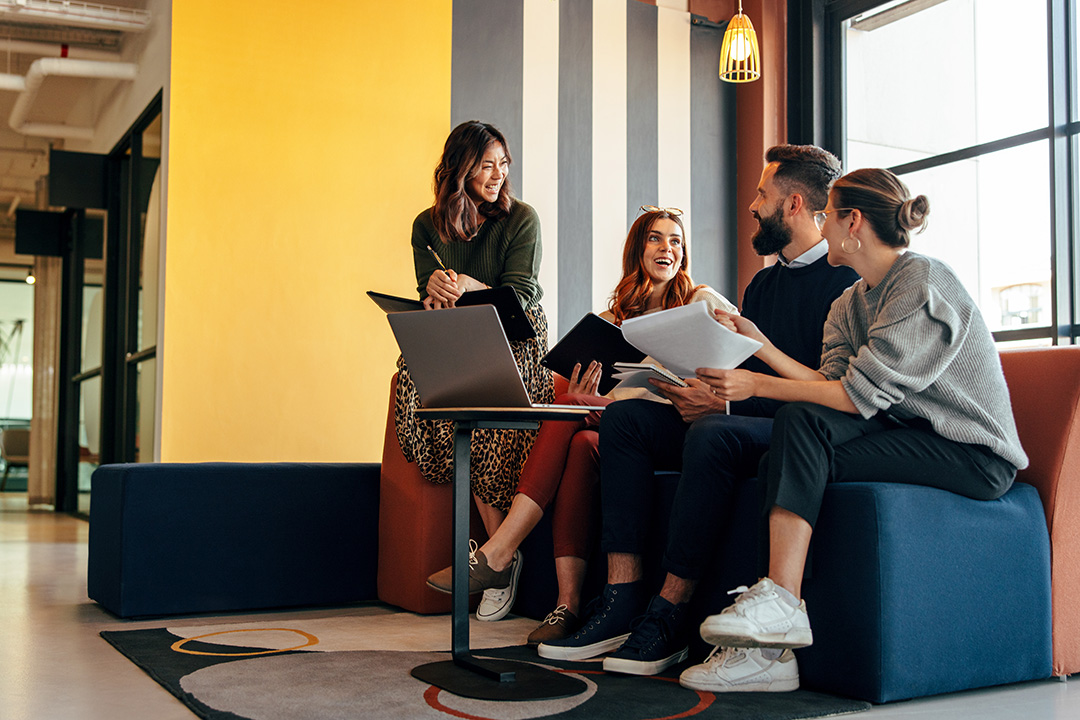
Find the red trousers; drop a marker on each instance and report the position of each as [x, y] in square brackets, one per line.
[562, 472]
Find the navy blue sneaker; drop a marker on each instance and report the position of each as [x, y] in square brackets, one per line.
[657, 641]
[605, 626]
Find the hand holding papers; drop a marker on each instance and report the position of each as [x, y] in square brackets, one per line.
[685, 338]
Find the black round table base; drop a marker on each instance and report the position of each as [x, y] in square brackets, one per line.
[531, 682]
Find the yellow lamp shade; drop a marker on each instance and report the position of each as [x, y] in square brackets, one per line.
[740, 60]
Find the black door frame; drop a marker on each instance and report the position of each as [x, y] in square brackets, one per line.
[118, 367]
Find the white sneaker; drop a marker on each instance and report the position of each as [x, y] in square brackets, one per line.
[743, 670]
[496, 603]
[759, 618]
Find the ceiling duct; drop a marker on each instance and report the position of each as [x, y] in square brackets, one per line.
[61, 67]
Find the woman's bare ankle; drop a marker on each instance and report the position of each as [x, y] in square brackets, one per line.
[498, 559]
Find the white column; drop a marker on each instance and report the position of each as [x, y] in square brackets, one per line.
[609, 147]
[540, 140]
[673, 117]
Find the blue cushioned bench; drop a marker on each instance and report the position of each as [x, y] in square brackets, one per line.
[214, 537]
[917, 591]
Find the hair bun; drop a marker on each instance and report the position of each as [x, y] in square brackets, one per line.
[912, 213]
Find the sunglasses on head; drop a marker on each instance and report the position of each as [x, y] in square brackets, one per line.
[674, 211]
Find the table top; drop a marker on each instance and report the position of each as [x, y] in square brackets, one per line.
[541, 412]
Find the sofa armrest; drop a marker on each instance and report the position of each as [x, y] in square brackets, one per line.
[1044, 385]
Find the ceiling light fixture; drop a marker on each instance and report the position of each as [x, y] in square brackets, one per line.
[740, 60]
[30, 279]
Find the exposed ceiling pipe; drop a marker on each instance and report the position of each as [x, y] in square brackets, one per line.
[12, 82]
[72, 12]
[63, 67]
[28, 47]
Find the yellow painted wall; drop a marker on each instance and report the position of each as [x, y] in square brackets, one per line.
[302, 141]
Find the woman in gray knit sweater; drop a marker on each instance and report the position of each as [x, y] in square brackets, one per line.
[910, 390]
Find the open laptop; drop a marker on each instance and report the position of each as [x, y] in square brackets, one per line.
[460, 358]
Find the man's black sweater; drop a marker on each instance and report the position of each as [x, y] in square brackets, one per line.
[790, 306]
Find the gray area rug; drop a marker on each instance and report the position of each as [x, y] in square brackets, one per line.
[291, 673]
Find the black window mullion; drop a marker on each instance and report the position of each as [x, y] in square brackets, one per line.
[111, 358]
[973, 151]
[1062, 285]
[1072, 261]
[70, 391]
[132, 240]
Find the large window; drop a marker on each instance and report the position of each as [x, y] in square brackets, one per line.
[974, 104]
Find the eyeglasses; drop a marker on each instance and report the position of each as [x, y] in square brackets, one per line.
[819, 217]
[676, 212]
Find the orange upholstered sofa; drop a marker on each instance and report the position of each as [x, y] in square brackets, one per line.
[414, 528]
[414, 515]
[1045, 388]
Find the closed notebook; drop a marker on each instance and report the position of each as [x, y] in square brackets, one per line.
[515, 323]
[593, 338]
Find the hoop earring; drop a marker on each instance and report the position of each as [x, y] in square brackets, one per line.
[844, 245]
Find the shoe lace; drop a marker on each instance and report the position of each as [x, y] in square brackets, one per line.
[473, 547]
[596, 609]
[556, 616]
[745, 594]
[496, 595]
[721, 655]
[647, 629]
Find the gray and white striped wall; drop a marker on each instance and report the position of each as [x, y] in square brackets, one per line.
[607, 105]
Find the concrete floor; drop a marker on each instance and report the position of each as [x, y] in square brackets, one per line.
[53, 664]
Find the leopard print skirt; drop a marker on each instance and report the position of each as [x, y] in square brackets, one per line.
[496, 456]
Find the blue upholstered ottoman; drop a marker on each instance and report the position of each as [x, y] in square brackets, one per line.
[212, 537]
[915, 591]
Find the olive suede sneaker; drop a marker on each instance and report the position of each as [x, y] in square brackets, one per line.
[481, 576]
[605, 625]
[759, 617]
[497, 601]
[743, 670]
[657, 641]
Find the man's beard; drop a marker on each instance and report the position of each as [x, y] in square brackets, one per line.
[772, 234]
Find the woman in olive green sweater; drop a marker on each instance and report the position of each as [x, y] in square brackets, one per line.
[484, 238]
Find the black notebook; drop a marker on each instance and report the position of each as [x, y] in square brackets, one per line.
[593, 338]
[393, 303]
[512, 316]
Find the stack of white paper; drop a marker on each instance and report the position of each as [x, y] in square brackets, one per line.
[685, 338]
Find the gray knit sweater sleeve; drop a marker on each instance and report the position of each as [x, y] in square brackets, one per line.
[916, 346]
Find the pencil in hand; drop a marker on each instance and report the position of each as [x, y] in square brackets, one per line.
[437, 258]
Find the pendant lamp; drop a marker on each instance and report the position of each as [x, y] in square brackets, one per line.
[740, 60]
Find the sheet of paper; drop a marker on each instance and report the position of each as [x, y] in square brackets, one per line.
[688, 337]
